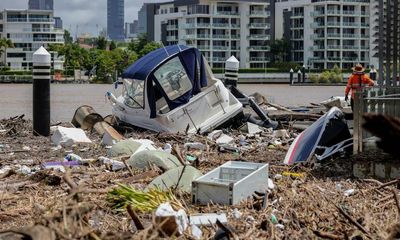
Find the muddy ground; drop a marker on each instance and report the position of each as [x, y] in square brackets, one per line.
[323, 201]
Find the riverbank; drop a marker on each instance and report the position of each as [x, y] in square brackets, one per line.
[304, 203]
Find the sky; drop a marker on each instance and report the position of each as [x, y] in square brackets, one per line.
[89, 15]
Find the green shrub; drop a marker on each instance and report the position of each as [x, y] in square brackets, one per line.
[324, 77]
[314, 78]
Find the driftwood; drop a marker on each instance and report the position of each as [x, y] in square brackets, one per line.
[284, 115]
[387, 128]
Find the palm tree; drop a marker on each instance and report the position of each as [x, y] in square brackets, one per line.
[4, 44]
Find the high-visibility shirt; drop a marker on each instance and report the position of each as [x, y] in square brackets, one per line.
[357, 82]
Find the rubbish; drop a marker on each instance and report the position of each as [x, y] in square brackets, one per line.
[190, 158]
[228, 148]
[349, 192]
[115, 165]
[242, 140]
[271, 184]
[214, 135]
[236, 213]
[207, 219]
[338, 102]
[180, 178]
[251, 128]
[277, 176]
[280, 226]
[167, 148]
[26, 148]
[194, 151]
[230, 183]
[5, 169]
[130, 146]
[111, 137]
[274, 220]
[327, 131]
[166, 212]
[187, 99]
[24, 170]
[250, 219]
[161, 159]
[282, 134]
[141, 201]
[59, 165]
[224, 139]
[72, 157]
[85, 117]
[194, 145]
[196, 232]
[339, 187]
[66, 137]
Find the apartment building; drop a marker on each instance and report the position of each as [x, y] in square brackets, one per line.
[29, 30]
[324, 33]
[219, 28]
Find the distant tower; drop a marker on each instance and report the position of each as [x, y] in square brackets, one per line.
[115, 19]
[41, 4]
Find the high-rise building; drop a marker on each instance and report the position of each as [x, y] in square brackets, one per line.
[41, 4]
[115, 19]
[58, 23]
[324, 33]
[131, 29]
[220, 29]
[29, 30]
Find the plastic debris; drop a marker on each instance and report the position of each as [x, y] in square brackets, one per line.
[180, 178]
[236, 213]
[167, 148]
[349, 192]
[282, 134]
[207, 219]
[271, 184]
[274, 220]
[161, 159]
[225, 139]
[280, 226]
[24, 170]
[196, 232]
[277, 176]
[72, 157]
[165, 211]
[251, 128]
[115, 165]
[68, 136]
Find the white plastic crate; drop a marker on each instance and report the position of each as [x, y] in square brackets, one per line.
[230, 183]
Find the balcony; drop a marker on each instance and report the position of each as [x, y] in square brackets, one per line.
[172, 38]
[17, 19]
[333, 35]
[317, 36]
[350, 47]
[172, 27]
[333, 24]
[41, 19]
[223, 48]
[227, 13]
[202, 36]
[220, 36]
[218, 59]
[317, 14]
[189, 37]
[202, 25]
[235, 25]
[316, 59]
[333, 12]
[351, 35]
[259, 25]
[297, 15]
[334, 59]
[359, 1]
[317, 47]
[259, 59]
[352, 13]
[350, 59]
[259, 48]
[233, 48]
[203, 47]
[48, 40]
[365, 25]
[259, 14]
[333, 47]
[351, 24]
[236, 37]
[297, 26]
[258, 37]
[189, 25]
[220, 25]
[317, 25]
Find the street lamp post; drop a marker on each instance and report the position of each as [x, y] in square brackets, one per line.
[291, 76]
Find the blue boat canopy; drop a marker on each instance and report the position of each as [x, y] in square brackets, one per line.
[145, 69]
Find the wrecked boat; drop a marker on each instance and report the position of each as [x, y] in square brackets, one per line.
[173, 89]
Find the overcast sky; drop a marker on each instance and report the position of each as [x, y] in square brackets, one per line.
[89, 15]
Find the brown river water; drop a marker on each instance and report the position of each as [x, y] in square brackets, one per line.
[16, 99]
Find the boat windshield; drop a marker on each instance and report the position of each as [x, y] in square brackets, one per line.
[133, 93]
[173, 79]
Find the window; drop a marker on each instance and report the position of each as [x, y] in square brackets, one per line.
[134, 93]
[173, 79]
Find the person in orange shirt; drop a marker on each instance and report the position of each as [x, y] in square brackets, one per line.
[357, 81]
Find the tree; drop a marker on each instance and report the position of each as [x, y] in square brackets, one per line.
[112, 45]
[149, 48]
[67, 37]
[4, 44]
[280, 50]
[101, 43]
[138, 44]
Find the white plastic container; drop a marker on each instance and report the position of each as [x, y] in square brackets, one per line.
[230, 183]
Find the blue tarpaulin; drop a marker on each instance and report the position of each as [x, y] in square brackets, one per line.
[144, 68]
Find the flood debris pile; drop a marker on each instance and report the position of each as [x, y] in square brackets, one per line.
[144, 185]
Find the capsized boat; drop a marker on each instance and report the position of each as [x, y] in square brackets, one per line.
[173, 89]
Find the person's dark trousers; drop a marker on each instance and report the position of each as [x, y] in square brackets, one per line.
[352, 104]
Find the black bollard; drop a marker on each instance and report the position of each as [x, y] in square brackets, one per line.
[41, 92]
[304, 73]
[291, 76]
[299, 76]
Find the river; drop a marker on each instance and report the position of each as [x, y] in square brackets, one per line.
[16, 99]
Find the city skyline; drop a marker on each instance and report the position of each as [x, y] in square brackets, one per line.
[86, 13]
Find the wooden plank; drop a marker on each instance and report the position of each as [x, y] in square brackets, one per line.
[356, 124]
